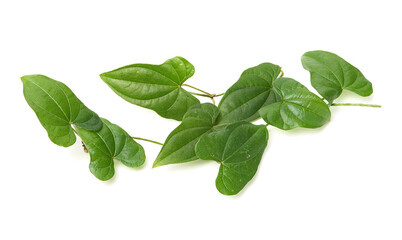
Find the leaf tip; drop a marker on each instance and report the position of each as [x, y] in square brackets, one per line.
[158, 163]
[23, 79]
[26, 78]
[102, 75]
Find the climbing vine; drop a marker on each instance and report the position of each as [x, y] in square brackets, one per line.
[224, 133]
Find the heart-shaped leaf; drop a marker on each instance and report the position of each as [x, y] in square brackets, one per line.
[109, 144]
[251, 92]
[179, 146]
[330, 74]
[299, 107]
[238, 148]
[156, 87]
[57, 108]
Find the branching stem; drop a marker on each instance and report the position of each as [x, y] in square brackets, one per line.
[204, 93]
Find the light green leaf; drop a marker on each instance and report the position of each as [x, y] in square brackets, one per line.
[299, 107]
[57, 108]
[238, 148]
[156, 87]
[251, 92]
[330, 74]
[109, 144]
[179, 146]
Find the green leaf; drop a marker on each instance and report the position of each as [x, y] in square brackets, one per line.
[179, 146]
[238, 148]
[156, 87]
[299, 107]
[57, 108]
[330, 74]
[251, 92]
[108, 144]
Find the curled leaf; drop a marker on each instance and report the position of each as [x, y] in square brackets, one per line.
[57, 108]
[109, 144]
[299, 107]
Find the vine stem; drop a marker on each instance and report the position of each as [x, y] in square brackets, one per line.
[356, 104]
[200, 90]
[148, 140]
[205, 93]
[199, 94]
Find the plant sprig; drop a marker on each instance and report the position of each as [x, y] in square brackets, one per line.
[223, 133]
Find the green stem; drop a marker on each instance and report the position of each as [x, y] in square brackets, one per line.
[356, 104]
[207, 93]
[282, 73]
[199, 94]
[144, 139]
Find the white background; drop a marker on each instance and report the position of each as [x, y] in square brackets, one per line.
[343, 181]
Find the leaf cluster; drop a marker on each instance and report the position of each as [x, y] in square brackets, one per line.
[224, 133]
[63, 115]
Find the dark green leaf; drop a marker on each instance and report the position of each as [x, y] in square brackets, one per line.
[238, 148]
[57, 108]
[251, 92]
[156, 87]
[108, 144]
[179, 146]
[330, 74]
[299, 107]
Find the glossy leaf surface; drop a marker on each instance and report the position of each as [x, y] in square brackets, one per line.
[179, 146]
[251, 92]
[57, 108]
[109, 144]
[299, 107]
[238, 148]
[156, 87]
[330, 74]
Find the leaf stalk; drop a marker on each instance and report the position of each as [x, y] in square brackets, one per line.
[200, 90]
[356, 104]
[205, 93]
[148, 140]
